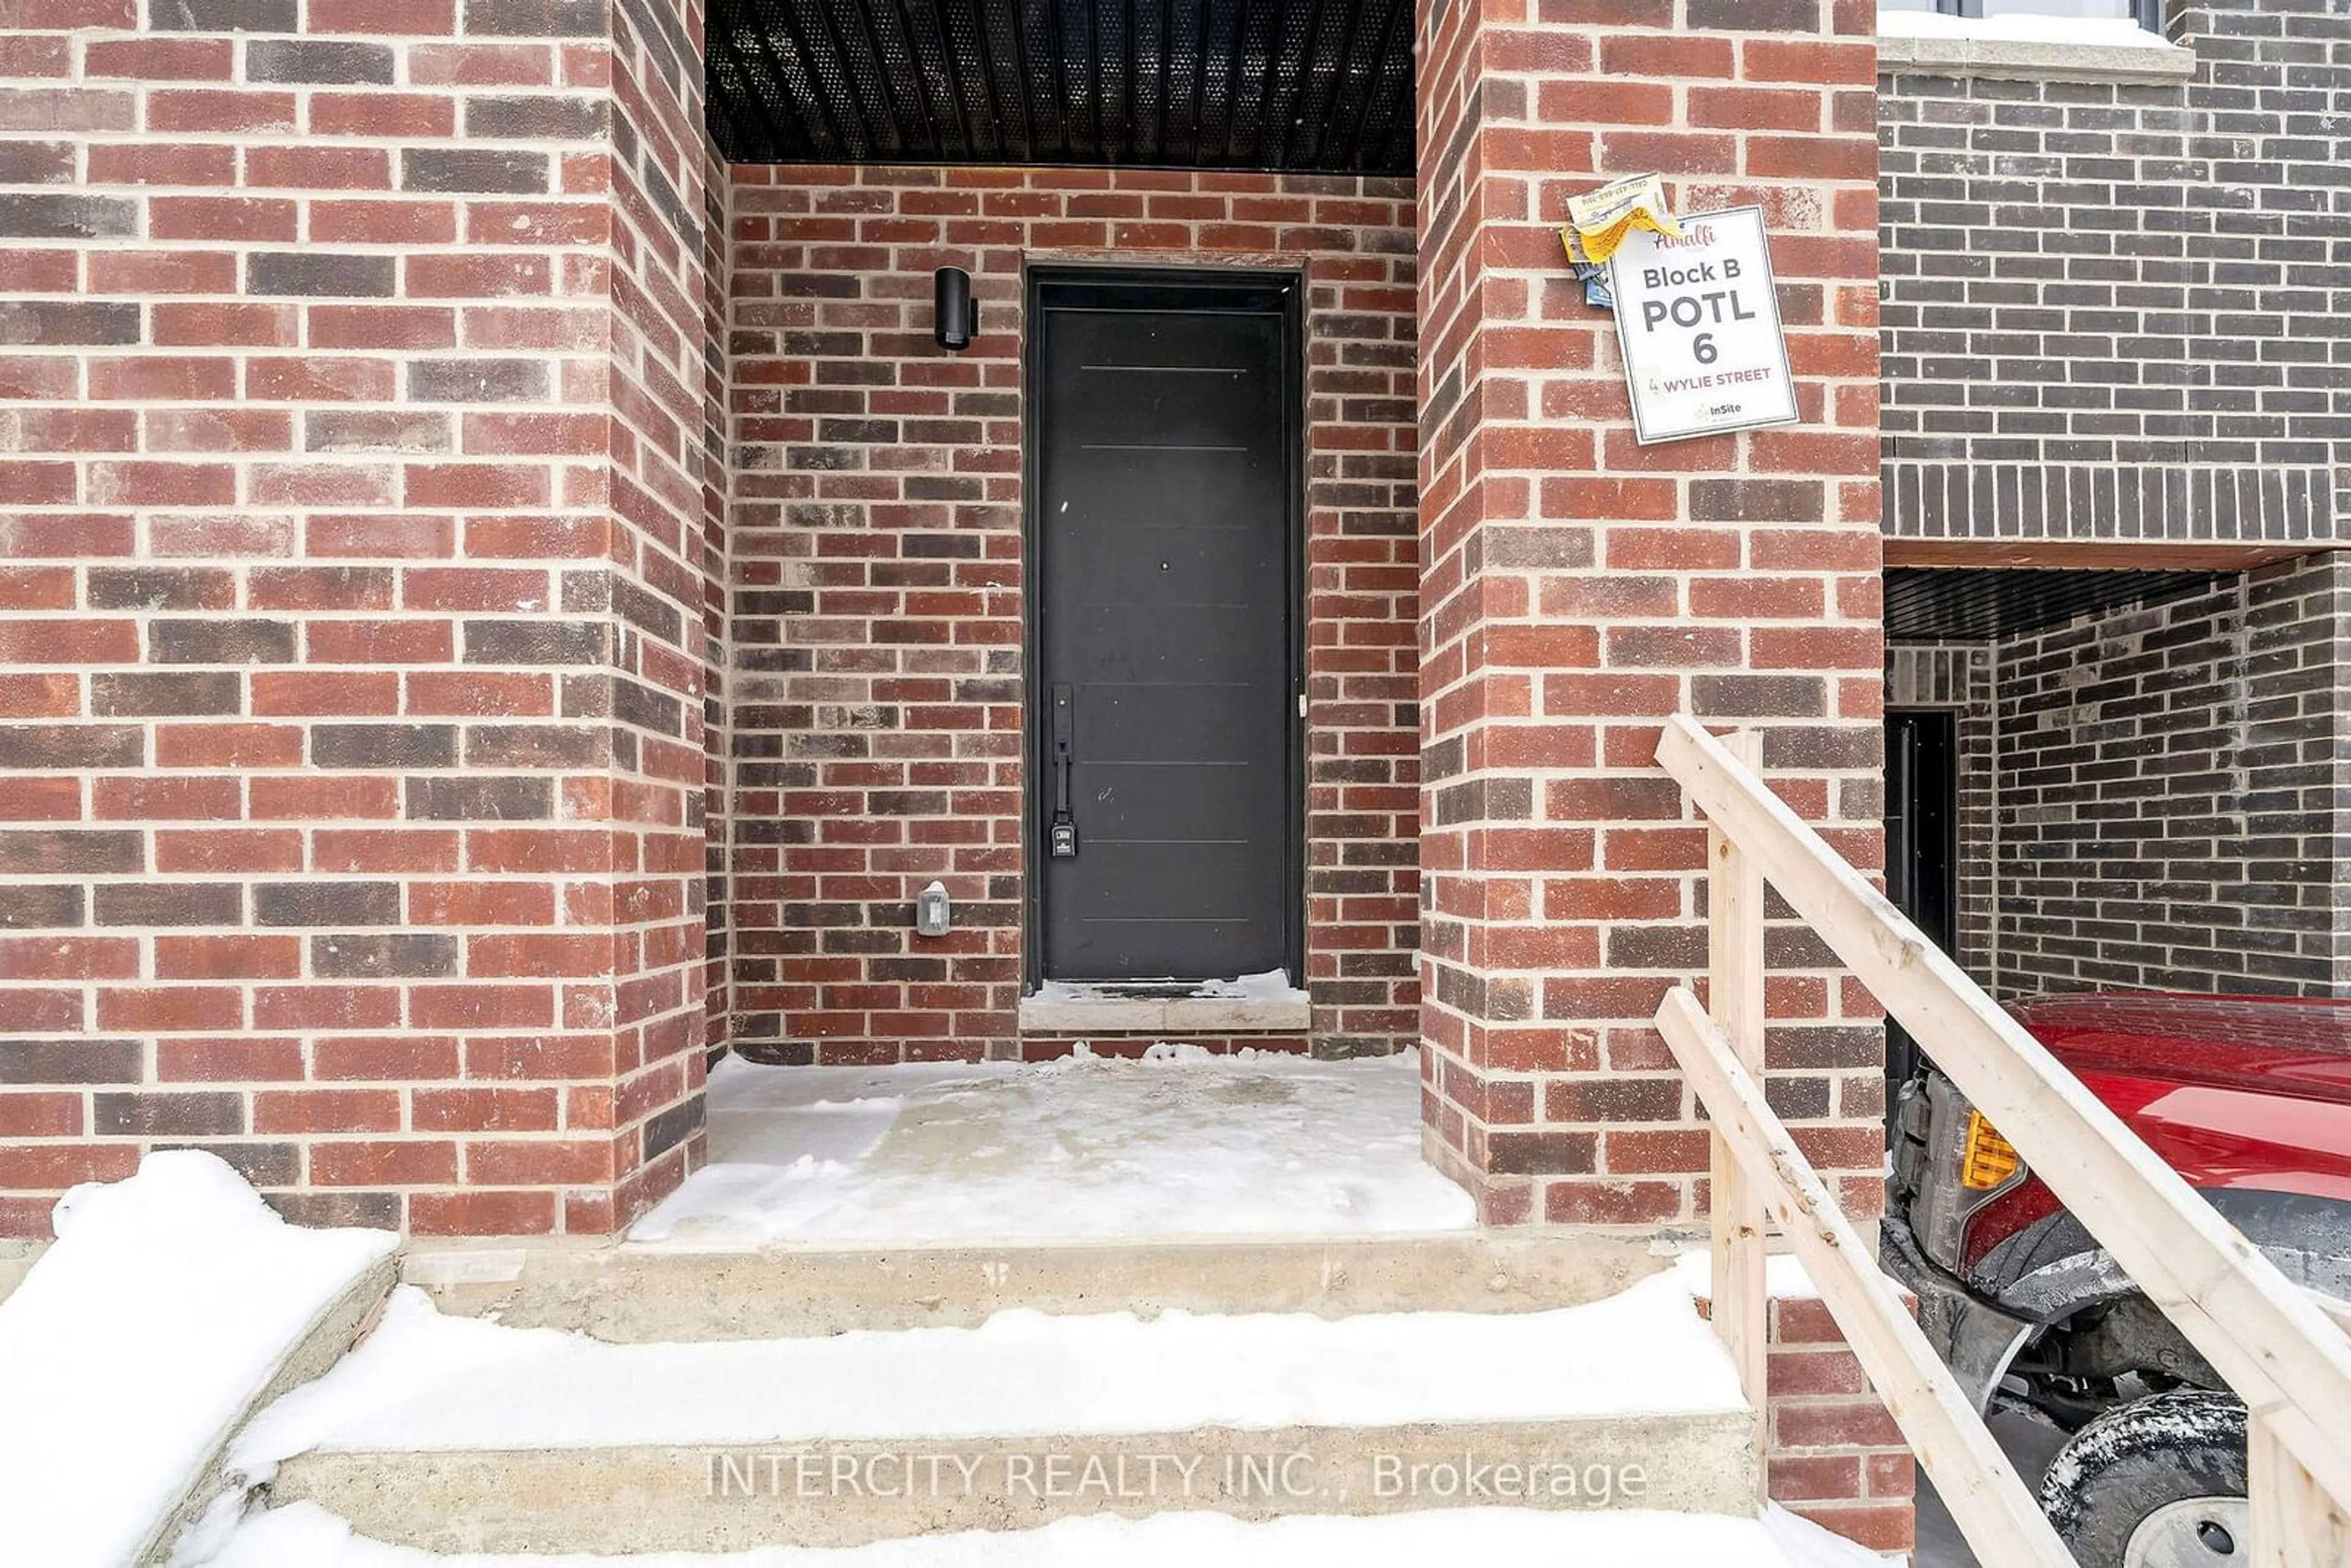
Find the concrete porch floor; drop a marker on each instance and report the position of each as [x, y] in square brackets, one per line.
[1179, 1145]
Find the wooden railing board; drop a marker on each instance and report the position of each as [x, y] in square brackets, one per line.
[2295, 1523]
[2265, 1338]
[2262, 1333]
[1999, 1517]
[1741, 1305]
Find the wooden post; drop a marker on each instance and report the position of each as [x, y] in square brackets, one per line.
[2294, 1524]
[1735, 988]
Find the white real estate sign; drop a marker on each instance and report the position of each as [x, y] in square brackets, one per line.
[1698, 319]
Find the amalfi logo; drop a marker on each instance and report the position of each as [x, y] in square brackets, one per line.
[1694, 237]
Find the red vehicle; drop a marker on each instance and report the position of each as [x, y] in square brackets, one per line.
[2250, 1099]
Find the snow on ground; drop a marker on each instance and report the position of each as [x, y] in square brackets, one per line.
[1784, 1277]
[1272, 986]
[304, 1536]
[136, 1342]
[2018, 27]
[425, 1382]
[1181, 1144]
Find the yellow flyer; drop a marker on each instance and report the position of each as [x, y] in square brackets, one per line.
[1599, 220]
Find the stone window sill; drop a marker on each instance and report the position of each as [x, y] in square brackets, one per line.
[2036, 59]
[1189, 1015]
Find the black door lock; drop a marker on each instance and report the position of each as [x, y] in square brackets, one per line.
[1061, 840]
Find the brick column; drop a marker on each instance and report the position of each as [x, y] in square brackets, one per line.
[1577, 589]
[351, 663]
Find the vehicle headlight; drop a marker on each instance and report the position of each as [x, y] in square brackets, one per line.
[1969, 1163]
[1988, 1162]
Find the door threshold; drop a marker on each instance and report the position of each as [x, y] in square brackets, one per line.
[1179, 1005]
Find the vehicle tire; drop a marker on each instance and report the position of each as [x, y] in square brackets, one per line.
[2157, 1483]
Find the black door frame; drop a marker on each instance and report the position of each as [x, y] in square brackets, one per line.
[1946, 720]
[1202, 284]
[1901, 1051]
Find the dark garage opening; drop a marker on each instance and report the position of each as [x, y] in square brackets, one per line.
[2145, 772]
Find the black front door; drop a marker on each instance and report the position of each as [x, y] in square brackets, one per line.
[1921, 816]
[1163, 708]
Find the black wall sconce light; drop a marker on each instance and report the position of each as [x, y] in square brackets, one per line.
[956, 319]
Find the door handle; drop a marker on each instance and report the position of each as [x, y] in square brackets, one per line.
[1062, 839]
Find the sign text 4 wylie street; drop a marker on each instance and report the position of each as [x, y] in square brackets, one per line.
[1699, 320]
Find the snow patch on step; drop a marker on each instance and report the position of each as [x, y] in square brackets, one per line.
[1784, 1276]
[424, 1382]
[1272, 986]
[1181, 1145]
[305, 1536]
[139, 1341]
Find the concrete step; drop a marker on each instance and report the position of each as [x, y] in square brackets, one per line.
[304, 1536]
[707, 1497]
[450, 1434]
[640, 1294]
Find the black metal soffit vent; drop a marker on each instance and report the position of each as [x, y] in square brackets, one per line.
[1305, 86]
[1976, 604]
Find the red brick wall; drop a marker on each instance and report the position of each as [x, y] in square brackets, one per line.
[1578, 589]
[1833, 1452]
[877, 556]
[1835, 1456]
[659, 587]
[717, 486]
[348, 682]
